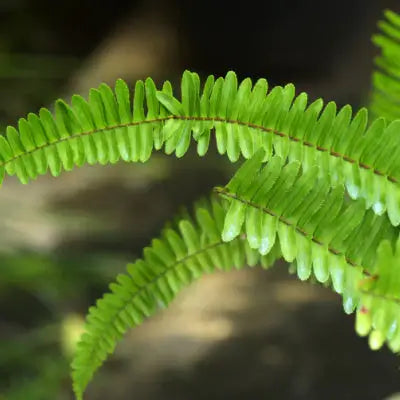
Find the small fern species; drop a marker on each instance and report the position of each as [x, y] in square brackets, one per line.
[320, 188]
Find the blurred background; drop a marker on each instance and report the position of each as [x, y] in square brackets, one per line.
[240, 335]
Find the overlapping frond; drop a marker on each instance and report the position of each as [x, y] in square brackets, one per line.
[245, 117]
[379, 311]
[317, 228]
[385, 96]
[171, 262]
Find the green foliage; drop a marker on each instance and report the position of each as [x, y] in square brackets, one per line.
[320, 187]
[173, 261]
[378, 314]
[245, 118]
[324, 233]
[385, 96]
[317, 228]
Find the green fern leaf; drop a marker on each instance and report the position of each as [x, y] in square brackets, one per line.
[170, 263]
[385, 96]
[320, 187]
[317, 227]
[378, 312]
[245, 118]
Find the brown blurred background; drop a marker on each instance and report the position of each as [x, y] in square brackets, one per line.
[240, 335]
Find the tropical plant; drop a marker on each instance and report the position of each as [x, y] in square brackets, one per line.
[320, 188]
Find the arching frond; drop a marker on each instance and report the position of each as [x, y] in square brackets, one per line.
[317, 228]
[385, 96]
[171, 262]
[112, 126]
[245, 118]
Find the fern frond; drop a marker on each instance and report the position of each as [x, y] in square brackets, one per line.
[244, 117]
[317, 228]
[288, 199]
[385, 96]
[170, 263]
[379, 311]
[101, 130]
